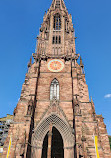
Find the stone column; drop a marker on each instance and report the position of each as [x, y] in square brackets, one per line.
[38, 153]
[68, 152]
[49, 142]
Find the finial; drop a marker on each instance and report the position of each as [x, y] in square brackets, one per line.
[81, 64]
[45, 13]
[92, 100]
[30, 62]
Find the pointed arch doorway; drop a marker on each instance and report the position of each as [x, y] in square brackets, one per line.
[57, 150]
[40, 132]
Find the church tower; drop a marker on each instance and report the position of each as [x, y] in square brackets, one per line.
[54, 117]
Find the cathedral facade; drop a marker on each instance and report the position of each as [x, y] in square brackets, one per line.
[54, 117]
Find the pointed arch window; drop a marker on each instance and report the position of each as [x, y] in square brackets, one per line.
[54, 90]
[57, 22]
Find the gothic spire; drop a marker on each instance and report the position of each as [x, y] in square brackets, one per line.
[56, 32]
[56, 4]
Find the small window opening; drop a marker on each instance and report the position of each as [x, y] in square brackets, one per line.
[29, 110]
[53, 40]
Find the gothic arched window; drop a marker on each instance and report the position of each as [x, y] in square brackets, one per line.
[54, 90]
[57, 22]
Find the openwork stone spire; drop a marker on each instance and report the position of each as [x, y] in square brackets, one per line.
[56, 38]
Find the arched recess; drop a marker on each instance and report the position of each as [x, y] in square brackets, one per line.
[43, 127]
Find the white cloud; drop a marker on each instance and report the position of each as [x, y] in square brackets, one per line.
[107, 96]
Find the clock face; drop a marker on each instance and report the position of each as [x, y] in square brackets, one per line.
[55, 65]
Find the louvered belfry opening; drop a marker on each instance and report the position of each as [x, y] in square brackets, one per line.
[56, 40]
[57, 150]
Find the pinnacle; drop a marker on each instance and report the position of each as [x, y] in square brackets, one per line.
[58, 4]
[30, 62]
[81, 63]
[91, 100]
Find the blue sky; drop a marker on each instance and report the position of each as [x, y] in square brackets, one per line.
[19, 25]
